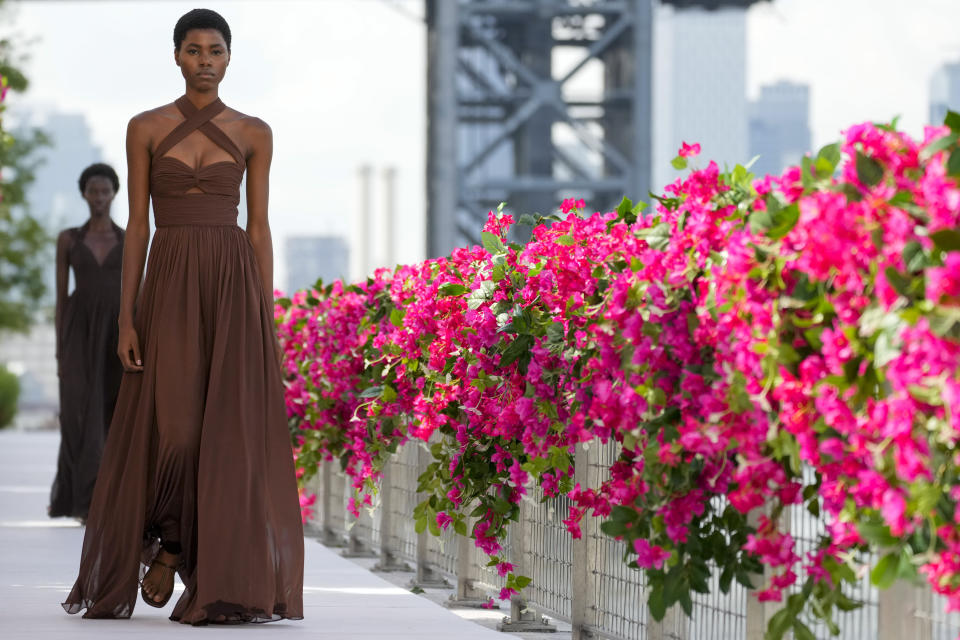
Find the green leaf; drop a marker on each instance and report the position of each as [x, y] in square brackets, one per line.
[899, 282]
[679, 163]
[565, 240]
[521, 582]
[953, 163]
[452, 289]
[372, 392]
[947, 239]
[657, 237]
[952, 120]
[620, 513]
[658, 609]
[884, 351]
[396, 317]
[492, 243]
[806, 172]
[914, 256]
[389, 393]
[527, 220]
[760, 221]
[686, 603]
[906, 570]
[520, 346]
[885, 573]
[421, 524]
[726, 578]
[613, 529]
[846, 604]
[481, 295]
[779, 623]
[784, 221]
[869, 171]
[938, 145]
[802, 631]
[828, 158]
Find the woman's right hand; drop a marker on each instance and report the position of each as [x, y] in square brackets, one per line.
[128, 348]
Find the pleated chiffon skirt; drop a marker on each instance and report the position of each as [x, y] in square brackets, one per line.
[199, 451]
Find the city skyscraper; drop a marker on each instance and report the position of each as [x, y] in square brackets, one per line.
[944, 92]
[699, 87]
[310, 257]
[54, 196]
[780, 127]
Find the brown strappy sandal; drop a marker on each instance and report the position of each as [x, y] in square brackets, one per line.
[143, 593]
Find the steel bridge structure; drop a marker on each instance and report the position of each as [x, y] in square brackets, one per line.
[508, 120]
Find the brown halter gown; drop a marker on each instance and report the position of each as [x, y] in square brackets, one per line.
[90, 372]
[198, 452]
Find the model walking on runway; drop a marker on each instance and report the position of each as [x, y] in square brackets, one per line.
[87, 363]
[197, 475]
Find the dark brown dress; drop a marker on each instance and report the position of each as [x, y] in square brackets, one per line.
[90, 372]
[198, 451]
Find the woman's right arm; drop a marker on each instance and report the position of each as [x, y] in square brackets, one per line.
[135, 239]
[64, 240]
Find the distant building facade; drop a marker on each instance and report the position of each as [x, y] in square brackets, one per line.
[944, 92]
[699, 87]
[54, 197]
[780, 127]
[308, 258]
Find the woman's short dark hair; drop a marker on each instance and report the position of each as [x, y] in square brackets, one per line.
[200, 19]
[99, 169]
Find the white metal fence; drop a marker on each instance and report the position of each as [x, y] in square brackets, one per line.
[585, 582]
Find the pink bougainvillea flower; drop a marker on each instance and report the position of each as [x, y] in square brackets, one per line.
[443, 520]
[689, 150]
[570, 204]
[649, 556]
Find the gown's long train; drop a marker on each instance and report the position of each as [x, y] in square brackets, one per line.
[198, 451]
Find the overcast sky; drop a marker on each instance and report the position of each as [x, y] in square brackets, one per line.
[342, 81]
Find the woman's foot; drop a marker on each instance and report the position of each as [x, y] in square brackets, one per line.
[157, 584]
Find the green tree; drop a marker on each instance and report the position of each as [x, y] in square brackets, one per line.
[9, 395]
[24, 243]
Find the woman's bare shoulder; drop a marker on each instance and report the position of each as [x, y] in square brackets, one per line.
[151, 119]
[250, 125]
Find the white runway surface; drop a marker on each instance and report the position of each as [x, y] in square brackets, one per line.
[39, 559]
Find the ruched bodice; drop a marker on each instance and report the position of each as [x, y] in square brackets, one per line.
[171, 179]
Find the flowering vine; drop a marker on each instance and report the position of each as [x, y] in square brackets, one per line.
[750, 344]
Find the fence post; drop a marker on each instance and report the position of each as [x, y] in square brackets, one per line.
[357, 546]
[328, 536]
[427, 577]
[314, 525]
[672, 627]
[523, 616]
[900, 613]
[389, 557]
[758, 613]
[467, 594]
[584, 573]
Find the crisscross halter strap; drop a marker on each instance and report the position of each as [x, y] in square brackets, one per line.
[219, 182]
[199, 119]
